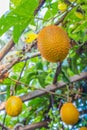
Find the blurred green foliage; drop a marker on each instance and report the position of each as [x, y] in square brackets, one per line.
[38, 72]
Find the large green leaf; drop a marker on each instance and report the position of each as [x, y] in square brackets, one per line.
[14, 3]
[18, 18]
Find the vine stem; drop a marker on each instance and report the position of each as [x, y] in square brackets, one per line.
[57, 73]
[38, 93]
[2, 125]
[20, 75]
[58, 69]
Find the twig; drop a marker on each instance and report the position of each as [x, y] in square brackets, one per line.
[18, 82]
[35, 125]
[41, 3]
[22, 70]
[6, 49]
[65, 14]
[30, 46]
[3, 127]
[61, 19]
[42, 89]
[2, 93]
[60, 104]
[13, 89]
[40, 124]
[45, 90]
[20, 75]
[51, 101]
[9, 66]
[52, 87]
[4, 119]
[10, 44]
[15, 61]
[61, 84]
[54, 82]
[29, 57]
[57, 73]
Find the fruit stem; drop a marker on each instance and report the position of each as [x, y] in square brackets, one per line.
[57, 73]
[68, 99]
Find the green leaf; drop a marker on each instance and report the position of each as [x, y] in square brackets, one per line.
[18, 18]
[18, 29]
[65, 76]
[7, 21]
[52, 10]
[14, 3]
[41, 78]
[30, 76]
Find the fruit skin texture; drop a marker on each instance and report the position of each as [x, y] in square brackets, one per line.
[83, 128]
[53, 43]
[69, 114]
[13, 106]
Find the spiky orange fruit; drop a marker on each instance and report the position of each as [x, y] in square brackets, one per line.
[13, 106]
[83, 128]
[69, 114]
[53, 43]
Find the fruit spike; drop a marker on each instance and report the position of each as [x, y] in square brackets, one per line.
[53, 43]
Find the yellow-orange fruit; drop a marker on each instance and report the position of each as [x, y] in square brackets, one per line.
[53, 43]
[69, 114]
[83, 128]
[13, 106]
